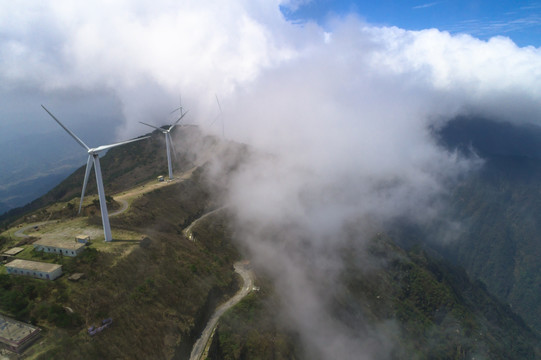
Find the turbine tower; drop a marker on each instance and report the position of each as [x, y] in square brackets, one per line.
[220, 115]
[93, 159]
[168, 141]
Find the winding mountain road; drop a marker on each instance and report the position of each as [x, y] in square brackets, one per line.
[188, 231]
[123, 208]
[20, 233]
[123, 197]
[202, 344]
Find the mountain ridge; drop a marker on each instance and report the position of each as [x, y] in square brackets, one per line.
[133, 275]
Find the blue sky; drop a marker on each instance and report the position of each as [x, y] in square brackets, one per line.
[518, 20]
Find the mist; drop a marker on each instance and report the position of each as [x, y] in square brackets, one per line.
[349, 126]
[341, 117]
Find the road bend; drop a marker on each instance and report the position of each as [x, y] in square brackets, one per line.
[203, 343]
[188, 231]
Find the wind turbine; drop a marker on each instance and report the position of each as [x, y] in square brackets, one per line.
[220, 115]
[168, 141]
[93, 158]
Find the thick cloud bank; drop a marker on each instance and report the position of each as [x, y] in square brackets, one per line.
[344, 113]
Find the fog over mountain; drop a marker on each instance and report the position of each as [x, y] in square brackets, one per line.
[346, 111]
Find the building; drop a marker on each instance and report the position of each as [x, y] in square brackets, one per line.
[15, 335]
[66, 248]
[38, 270]
[83, 239]
[11, 252]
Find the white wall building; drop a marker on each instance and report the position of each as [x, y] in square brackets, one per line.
[34, 269]
[66, 248]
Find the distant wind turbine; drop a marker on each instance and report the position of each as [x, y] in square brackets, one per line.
[168, 141]
[93, 158]
[220, 115]
[180, 107]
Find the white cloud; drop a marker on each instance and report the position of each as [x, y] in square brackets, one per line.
[426, 5]
[197, 47]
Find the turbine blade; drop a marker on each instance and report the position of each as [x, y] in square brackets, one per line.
[176, 122]
[177, 109]
[67, 130]
[87, 173]
[152, 126]
[106, 147]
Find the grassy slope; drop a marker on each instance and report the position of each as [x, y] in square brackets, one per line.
[159, 295]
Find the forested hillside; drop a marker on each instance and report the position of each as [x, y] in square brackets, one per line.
[414, 307]
[499, 211]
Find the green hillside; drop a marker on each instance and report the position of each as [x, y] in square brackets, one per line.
[159, 291]
[500, 208]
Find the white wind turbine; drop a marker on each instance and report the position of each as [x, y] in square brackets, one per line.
[93, 158]
[168, 141]
[220, 115]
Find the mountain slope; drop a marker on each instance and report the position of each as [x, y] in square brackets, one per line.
[160, 291]
[499, 209]
[418, 307]
[122, 168]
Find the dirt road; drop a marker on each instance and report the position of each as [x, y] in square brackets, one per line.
[20, 233]
[123, 208]
[202, 344]
[123, 198]
[126, 197]
[188, 231]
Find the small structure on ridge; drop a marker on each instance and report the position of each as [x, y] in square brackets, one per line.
[15, 335]
[67, 248]
[82, 239]
[35, 269]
